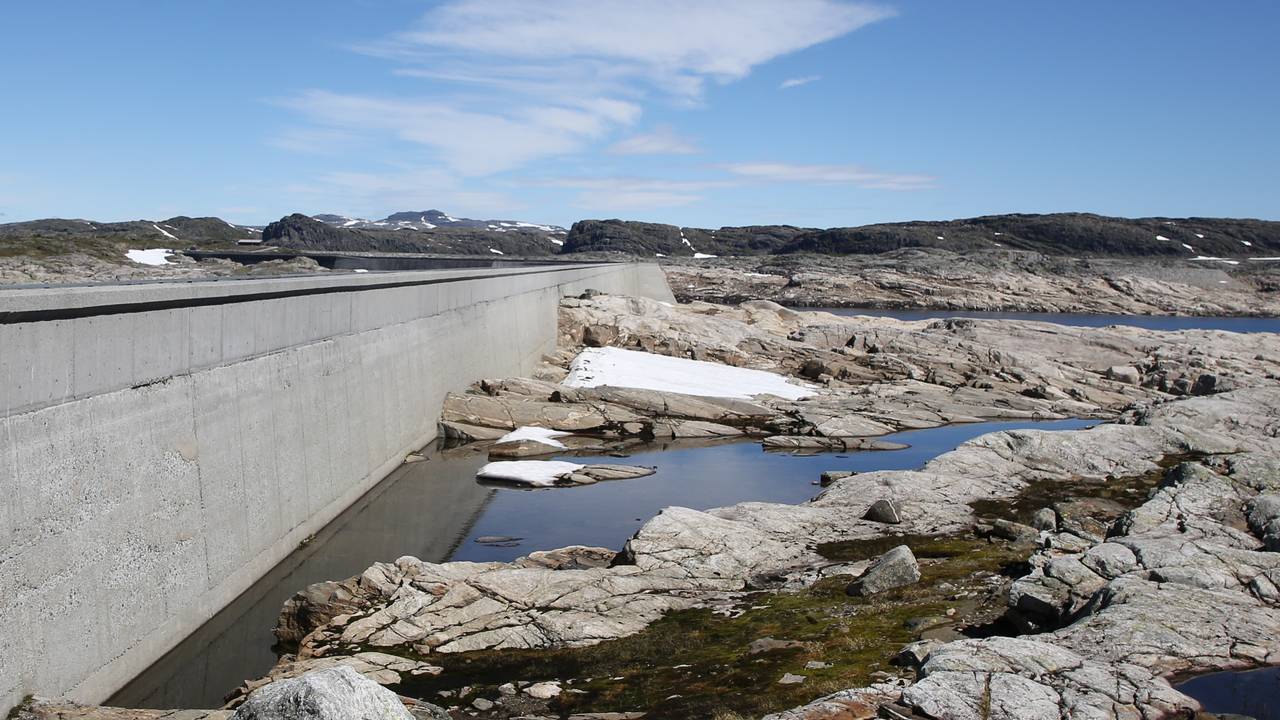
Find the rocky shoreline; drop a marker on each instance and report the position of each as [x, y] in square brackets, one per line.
[990, 280]
[1025, 574]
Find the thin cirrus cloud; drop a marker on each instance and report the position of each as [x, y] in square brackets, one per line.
[366, 194]
[798, 81]
[630, 193]
[558, 77]
[856, 175]
[626, 193]
[469, 142]
[662, 141]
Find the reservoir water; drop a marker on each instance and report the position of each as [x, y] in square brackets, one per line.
[1251, 693]
[435, 510]
[1150, 322]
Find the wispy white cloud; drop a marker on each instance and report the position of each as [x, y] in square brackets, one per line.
[829, 175]
[631, 193]
[675, 45]
[798, 81]
[314, 140]
[471, 142]
[662, 141]
[634, 193]
[372, 193]
[516, 82]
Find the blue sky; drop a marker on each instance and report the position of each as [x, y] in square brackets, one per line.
[808, 112]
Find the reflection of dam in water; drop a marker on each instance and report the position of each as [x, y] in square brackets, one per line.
[423, 509]
[165, 445]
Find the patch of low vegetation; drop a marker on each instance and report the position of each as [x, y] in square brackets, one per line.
[45, 246]
[700, 662]
[1125, 492]
[697, 663]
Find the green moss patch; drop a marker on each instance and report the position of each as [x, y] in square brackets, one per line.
[697, 663]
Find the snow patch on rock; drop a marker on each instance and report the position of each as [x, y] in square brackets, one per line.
[152, 256]
[536, 434]
[615, 367]
[538, 473]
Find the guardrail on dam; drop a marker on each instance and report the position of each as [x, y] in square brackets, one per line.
[163, 445]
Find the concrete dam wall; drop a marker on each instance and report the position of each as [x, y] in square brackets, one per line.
[163, 445]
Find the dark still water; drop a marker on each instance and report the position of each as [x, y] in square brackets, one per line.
[435, 510]
[1150, 322]
[1253, 693]
[608, 513]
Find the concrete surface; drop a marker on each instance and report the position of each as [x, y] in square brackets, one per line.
[164, 445]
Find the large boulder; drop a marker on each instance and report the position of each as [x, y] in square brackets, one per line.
[1124, 374]
[337, 693]
[1264, 519]
[894, 569]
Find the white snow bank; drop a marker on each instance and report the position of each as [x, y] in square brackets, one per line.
[164, 232]
[495, 252]
[633, 369]
[536, 434]
[1216, 259]
[702, 256]
[1246, 243]
[1188, 247]
[1162, 238]
[152, 256]
[538, 473]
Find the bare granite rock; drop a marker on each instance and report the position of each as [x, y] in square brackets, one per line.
[337, 693]
[995, 279]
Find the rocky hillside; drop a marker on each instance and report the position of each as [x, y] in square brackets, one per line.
[176, 232]
[305, 233]
[1066, 234]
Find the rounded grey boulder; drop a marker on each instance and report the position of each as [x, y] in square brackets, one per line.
[336, 693]
[883, 511]
[894, 569]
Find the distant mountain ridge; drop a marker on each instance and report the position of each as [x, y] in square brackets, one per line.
[434, 219]
[1065, 234]
[180, 231]
[417, 232]
[1218, 240]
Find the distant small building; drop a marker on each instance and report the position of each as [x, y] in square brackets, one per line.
[249, 241]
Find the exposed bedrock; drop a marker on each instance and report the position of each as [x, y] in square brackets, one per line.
[995, 280]
[1146, 602]
[869, 376]
[1195, 547]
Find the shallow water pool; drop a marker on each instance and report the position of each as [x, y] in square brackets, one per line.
[1254, 693]
[435, 510]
